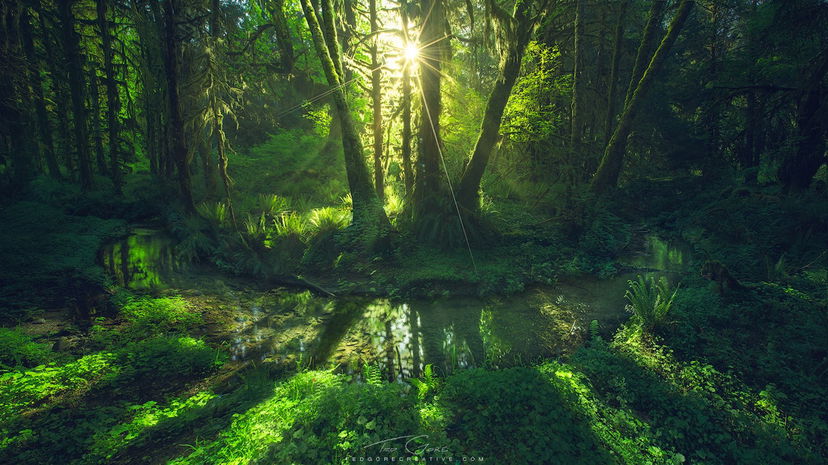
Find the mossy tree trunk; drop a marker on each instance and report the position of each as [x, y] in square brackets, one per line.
[606, 177]
[408, 171]
[178, 149]
[520, 26]
[432, 203]
[76, 90]
[43, 126]
[113, 100]
[376, 100]
[612, 86]
[368, 214]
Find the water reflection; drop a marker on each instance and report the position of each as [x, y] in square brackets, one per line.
[659, 254]
[143, 260]
[401, 337]
[457, 333]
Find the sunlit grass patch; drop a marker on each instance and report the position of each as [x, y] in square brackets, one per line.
[141, 420]
[159, 315]
[24, 389]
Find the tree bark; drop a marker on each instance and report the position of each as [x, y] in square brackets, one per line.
[176, 124]
[376, 99]
[367, 210]
[798, 170]
[76, 90]
[612, 86]
[606, 177]
[468, 191]
[642, 57]
[408, 172]
[432, 201]
[113, 100]
[576, 128]
[43, 126]
[95, 119]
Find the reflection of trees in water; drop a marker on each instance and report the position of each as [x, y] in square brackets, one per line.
[139, 261]
[345, 314]
[450, 336]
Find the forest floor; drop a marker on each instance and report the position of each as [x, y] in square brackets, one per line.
[738, 377]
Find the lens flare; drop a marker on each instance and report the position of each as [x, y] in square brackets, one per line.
[411, 52]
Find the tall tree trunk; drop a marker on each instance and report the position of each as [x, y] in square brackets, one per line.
[367, 210]
[76, 89]
[612, 86]
[798, 170]
[43, 126]
[12, 105]
[95, 118]
[613, 160]
[376, 99]
[218, 119]
[113, 100]
[468, 191]
[287, 56]
[645, 47]
[408, 172]
[208, 166]
[176, 124]
[432, 202]
[576, 125]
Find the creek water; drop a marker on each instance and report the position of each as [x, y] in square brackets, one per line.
[289, 326]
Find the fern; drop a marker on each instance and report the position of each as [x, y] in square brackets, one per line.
[649, 301]
[372, 374]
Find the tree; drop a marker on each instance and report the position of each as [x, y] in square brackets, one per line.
[376, 99]
[368, 214]
[798, 170]
[176, 123]
[608, 171]
[612, 86]
[43, 126]
[513, 32]
[113, 101]
[408, 172]
[76, 89]
[431, 204]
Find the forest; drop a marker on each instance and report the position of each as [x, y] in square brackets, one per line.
[327, 232]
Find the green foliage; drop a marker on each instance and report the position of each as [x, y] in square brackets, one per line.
[325, 221]
[290, 225]
[215, 212]
[155, 360]
[649, 301]
[532, 113]
[142, 419]
[44, 249]
[518, 416]
[20, 390]
[18, 349]
[149, 316]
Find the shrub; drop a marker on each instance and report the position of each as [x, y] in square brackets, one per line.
[324, 221]
[164, 357]
[159, 315]
[18, 349]
[517, 416]
[215, 212]
[22, 389]
[290, 225]
[649, 301]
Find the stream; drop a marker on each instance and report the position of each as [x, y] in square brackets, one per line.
[296, 327]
